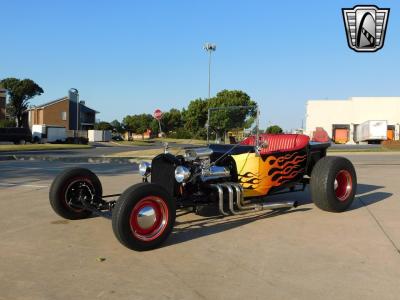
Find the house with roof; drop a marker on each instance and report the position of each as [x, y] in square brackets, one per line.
[63, 112]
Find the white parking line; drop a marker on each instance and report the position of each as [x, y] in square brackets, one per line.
[23, 185]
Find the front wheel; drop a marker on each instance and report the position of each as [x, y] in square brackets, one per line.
[143, 216]
[333, 184]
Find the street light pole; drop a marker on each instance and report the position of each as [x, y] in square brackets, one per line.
[209, 48]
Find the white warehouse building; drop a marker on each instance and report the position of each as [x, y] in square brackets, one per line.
[340, 118]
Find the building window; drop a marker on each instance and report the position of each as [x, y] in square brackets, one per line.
[64, 115]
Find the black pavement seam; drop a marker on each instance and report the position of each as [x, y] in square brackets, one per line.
[380, 225]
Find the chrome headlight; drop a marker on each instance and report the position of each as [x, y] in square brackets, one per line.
[182, 174]
[144, 168]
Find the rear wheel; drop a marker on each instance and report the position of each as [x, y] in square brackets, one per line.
[143, 216]
[333, 184]
[70, 188]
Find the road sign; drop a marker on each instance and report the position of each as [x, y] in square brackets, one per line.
[157, 114]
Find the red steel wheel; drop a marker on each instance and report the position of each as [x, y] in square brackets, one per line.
[149, 218]
[333, 184]
[143, 216]
[343, 185]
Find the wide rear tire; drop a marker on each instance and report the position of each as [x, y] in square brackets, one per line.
[143, 216]
[333, 184]
[65, 189]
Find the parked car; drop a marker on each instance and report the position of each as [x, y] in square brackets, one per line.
[15, 135]
[117, 137]
[234, 178]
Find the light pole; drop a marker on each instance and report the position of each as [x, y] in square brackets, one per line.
[209, 48]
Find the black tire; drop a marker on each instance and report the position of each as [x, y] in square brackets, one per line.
[61, 185]
[333, 184]
[125, 216]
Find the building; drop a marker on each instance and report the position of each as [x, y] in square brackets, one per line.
[2, 104]
[340, 118]
[63, 112]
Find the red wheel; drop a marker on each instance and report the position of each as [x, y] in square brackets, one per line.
[333, 184]
[343, 185]
[143, 216]
[149, 218]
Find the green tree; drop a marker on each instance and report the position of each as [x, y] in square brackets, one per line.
[138, 123]
[274, 129]
[154, 127]
[224, 120]
[103, 126]
[117, 126]
[195, 118]
[20, 92]
[171, 120]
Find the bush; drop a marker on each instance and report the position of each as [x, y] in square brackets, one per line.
[80, 140]
[180, 133]
[7, 123]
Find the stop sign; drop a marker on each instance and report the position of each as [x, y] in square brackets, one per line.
[157, 114]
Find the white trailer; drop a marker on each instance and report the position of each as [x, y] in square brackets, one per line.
[372, 131]
[48, 133]
[99, 135]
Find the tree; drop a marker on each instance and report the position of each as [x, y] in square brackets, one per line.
[171, 120]
[274, 129]
[138, 123]
[20, 92]
[195, 118]
[231, 118]
[117, 126]
[103, 126]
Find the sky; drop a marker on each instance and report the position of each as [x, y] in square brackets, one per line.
[131, 57]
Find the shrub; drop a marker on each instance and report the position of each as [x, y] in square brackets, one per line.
[7, 123]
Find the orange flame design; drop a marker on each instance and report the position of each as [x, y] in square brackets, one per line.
[274, 171]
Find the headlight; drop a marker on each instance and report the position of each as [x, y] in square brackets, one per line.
[182, 174]
[144, 168]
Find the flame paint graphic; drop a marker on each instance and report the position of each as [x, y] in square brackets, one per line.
[273, 171]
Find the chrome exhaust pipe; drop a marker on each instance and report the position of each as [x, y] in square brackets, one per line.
[220, 198]
[240, 199]
[277, 205]
[230, 196]
[241, 204]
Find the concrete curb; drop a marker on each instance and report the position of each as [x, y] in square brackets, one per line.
[77, 159]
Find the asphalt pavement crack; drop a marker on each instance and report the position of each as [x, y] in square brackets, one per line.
[380, 225]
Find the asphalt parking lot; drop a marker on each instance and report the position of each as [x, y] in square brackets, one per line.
[304, 253]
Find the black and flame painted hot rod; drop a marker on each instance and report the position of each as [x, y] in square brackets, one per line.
[234, 178]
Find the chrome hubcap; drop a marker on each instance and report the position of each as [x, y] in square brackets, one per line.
[146, 217]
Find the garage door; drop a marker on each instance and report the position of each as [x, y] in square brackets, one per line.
[341, 136]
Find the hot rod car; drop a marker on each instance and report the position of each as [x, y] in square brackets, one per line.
[234, 178]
